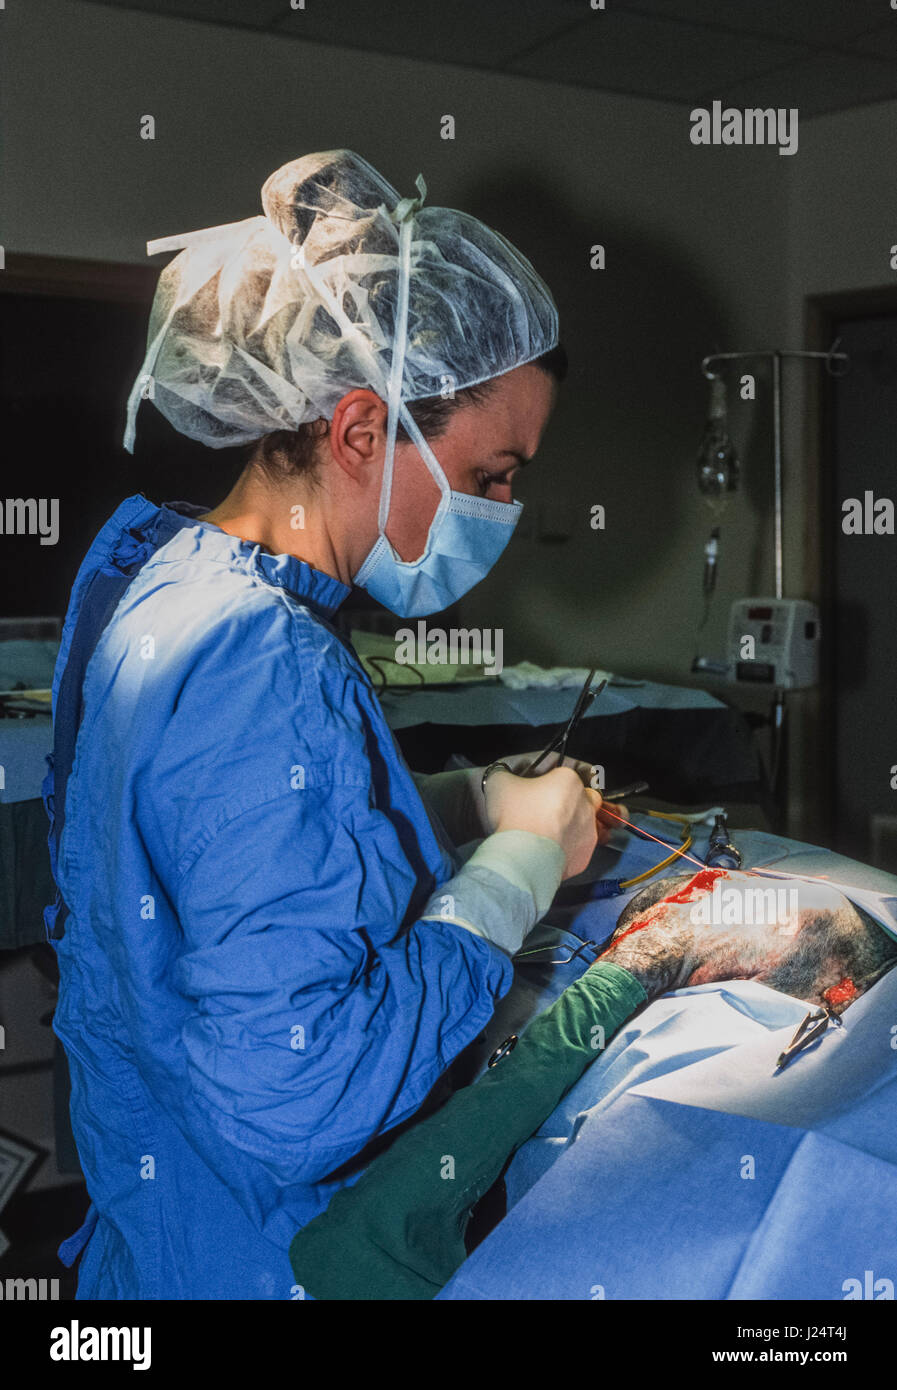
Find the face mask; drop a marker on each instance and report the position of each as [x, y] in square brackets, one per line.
[467, 534]
[466, 537]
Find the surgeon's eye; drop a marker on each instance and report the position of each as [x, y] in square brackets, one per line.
[495, 485]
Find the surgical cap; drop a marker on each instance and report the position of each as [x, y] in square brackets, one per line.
[267, 323]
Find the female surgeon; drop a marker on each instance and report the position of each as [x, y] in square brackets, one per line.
[268, 954]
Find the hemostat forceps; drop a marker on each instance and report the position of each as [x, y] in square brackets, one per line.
[809, 1031]
[559, 743]
[539, 950]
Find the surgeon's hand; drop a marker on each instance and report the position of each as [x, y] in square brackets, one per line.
[607, 821]
[556, 805]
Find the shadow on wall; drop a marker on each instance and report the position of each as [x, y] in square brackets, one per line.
[68, 367]
[626, 431]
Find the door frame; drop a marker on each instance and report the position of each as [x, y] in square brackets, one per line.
[821, 314]
[75, 279]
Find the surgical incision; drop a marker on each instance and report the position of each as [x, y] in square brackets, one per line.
[799, 936]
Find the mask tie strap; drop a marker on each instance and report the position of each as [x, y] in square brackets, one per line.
[403, 218]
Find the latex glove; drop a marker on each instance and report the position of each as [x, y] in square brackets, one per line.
[607, 822]
[556, 805]
[457, 798]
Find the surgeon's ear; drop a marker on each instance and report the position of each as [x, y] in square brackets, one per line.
[358, 435]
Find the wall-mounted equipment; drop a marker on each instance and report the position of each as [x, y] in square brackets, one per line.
[774, 642]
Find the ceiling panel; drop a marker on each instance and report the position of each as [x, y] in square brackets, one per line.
[808, 21]
[819, 55]
[815, 86]
[880, 42]
[258, 14]
[459, 31]
[630, 52]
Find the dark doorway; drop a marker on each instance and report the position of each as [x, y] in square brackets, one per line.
[862, 586]
[72, 338]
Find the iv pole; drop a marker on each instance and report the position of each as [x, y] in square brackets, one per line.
[776, 356]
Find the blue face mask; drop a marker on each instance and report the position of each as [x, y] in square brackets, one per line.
[466, 537]
[467, 534]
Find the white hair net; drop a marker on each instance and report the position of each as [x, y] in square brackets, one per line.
[264, 324]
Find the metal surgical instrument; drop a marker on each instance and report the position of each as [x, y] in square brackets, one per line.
[559, 743]
[721, 853]
[632, 789]
[809, 1031]
[538, 950]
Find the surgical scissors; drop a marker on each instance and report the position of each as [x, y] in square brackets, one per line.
[559, 743]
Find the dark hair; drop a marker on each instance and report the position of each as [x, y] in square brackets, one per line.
[289, 453]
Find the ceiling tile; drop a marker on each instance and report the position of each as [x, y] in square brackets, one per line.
[257, 15]
[765, 52]
[880, 42]
[822, 83]
[654, 57]
[811, 21]
[460, 31]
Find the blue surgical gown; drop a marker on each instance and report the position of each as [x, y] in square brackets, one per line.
[247, 992]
